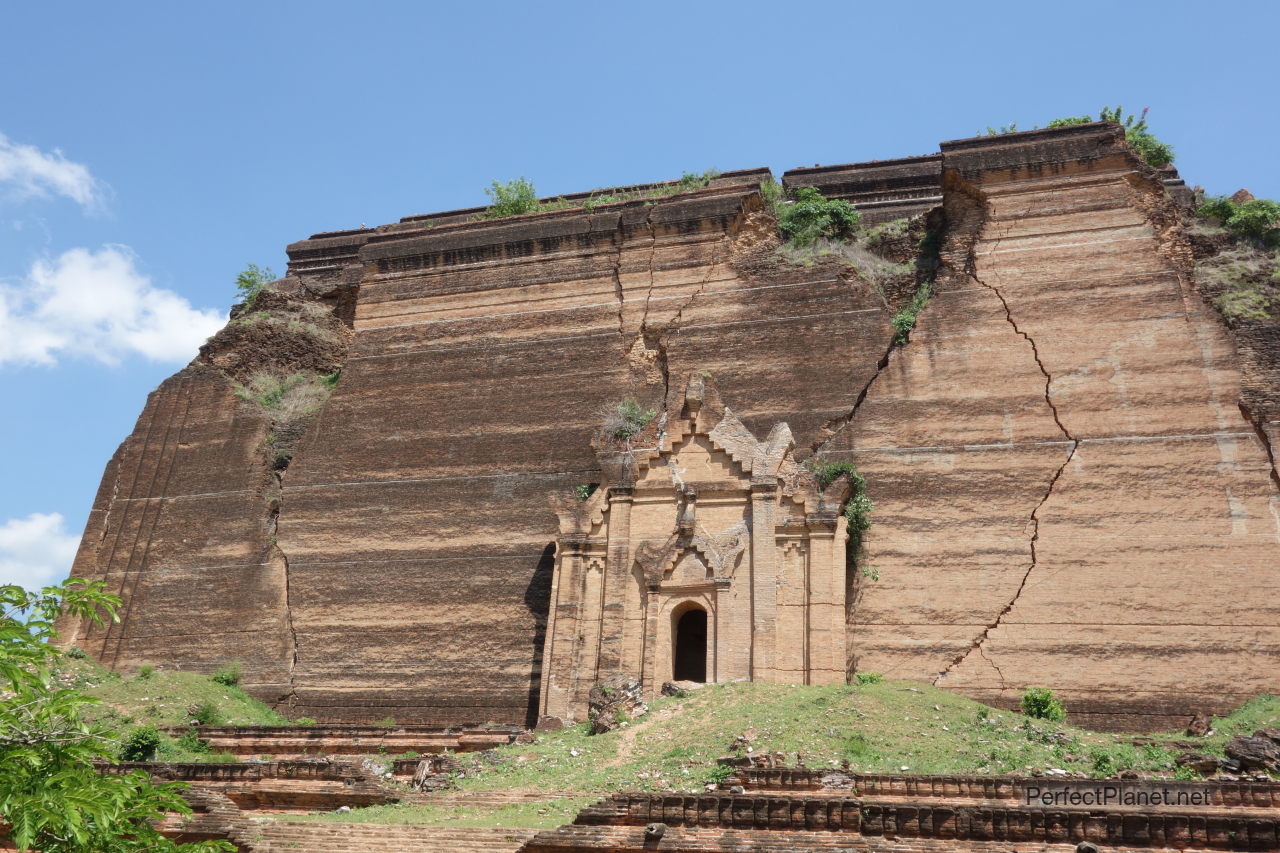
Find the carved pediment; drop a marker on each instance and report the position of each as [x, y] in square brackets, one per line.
[703, 446]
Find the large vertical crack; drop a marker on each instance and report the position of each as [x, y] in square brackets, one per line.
[833, 427]
[655, 339]
[1260, 431]
[277, 553]
[653, 254]
[1034, 520]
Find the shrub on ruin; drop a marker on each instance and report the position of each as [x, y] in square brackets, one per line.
[1012, 127]
[1218, 208]
[687, 181]
[626, 419]
[1139, 137]
[857, 512]
[146, 671]
[140, 745]
[1040, 703]
[828, 471]
[905, 320]
[251, 280]
[206, 714]
[1136, 133]
[1113, 760]
[812, 216]
[191, 742]
[1257, 220]
[511, 198]
[869, 677]
[228, 675]
[1070, 121]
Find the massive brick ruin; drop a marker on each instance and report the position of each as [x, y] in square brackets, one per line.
[1070, 457]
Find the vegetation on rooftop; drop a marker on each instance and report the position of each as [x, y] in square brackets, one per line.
[1136, 133]
[519, 196]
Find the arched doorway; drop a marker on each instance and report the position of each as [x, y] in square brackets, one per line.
[689, 646]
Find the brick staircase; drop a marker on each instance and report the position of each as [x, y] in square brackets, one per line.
[280, 836]
[796, 810]
[277, 786]
[281, 741]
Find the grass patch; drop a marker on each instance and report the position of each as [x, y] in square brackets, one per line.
[519, 196]
[306, 318]
[905, 320]
[163, 699]
[876, 725]
[289, 396]
[879, 726]
[854, 253]
[1243, 282]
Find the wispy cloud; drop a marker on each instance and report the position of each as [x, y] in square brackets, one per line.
[28, 172]
[98, 305]
[37, 550]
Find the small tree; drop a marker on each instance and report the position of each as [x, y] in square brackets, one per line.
[1040, 703]
[228, 675]
[52, 798]
[511, 199]
[1138, 135]
[140, 745]
[251, 280]
[1256, 220]
[814, 216]
[626, 419]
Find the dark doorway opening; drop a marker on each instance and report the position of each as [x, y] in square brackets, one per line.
[691, 646]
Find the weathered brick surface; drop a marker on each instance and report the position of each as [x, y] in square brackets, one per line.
[1066, 390]
[351, 740]
[782, 815]
[1224, 793]
[1057, 458]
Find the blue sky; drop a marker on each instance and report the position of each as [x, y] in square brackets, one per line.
[148, 151]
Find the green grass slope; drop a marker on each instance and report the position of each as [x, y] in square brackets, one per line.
[162, 699]
[884, 727]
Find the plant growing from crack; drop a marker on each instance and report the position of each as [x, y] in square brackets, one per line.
[857, 512]
[626, 419]
[905, 320]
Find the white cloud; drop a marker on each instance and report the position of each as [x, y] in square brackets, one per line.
[37, 550]
[98, 305]
[29, 172]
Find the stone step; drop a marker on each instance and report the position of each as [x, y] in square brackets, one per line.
[625, 839]
[351, 740]
[1009, 823]
[496, 799]
[833, 782]
[279, 836]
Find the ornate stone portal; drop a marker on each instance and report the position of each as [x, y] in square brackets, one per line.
[705, 554]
